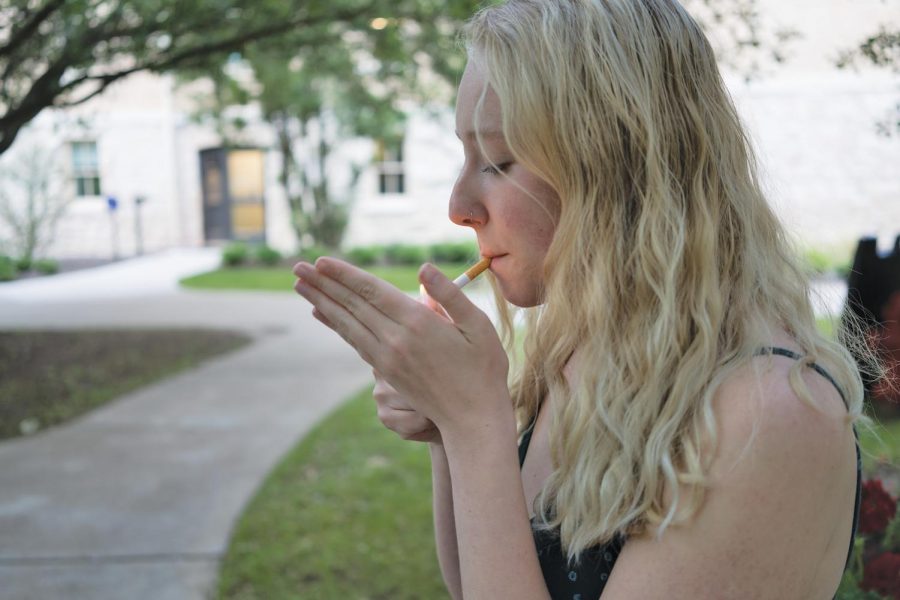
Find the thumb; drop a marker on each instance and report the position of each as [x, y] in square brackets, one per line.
[431, 302]
[451, 298]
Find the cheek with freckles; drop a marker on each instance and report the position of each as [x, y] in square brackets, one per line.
[535, 227]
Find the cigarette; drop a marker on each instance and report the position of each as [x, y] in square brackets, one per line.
[467, 277]
[472, 272]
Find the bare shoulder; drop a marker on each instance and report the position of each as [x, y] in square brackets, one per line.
[777, 516]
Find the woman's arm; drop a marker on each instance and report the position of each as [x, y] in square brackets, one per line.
[444, 524]
[497, 557]
[395, 412]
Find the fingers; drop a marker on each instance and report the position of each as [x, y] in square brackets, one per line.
[385, 395]
[340, 320]
[363, 287]
[429, 435]
[355, 304]
[458, 307]
[321, 318]
[431, 302]
[408, 424]
[397, 415]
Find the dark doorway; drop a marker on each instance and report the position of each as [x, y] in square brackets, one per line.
[233, 194]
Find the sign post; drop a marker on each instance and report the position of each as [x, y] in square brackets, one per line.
[138, 227]
[112, 204]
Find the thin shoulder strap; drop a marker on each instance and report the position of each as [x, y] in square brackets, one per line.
[827, 375]
[818, 369]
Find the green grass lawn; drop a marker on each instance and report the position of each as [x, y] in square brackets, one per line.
[346, 514]
[827, 325]
[49, 377]
[282, 279]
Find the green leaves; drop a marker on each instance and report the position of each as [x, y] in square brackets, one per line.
[337, 79]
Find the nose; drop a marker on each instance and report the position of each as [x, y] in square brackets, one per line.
[466, 206]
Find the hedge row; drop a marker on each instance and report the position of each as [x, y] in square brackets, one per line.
[10, 268]
[238, 254]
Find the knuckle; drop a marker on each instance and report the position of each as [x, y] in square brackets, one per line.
[367, 291]
[381, 395]
[419, 322]
[394, 350]
[389, 365]
[348, 299]
[342, 331]
[324, 265]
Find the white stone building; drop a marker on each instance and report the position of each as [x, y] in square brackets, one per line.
[829, 175]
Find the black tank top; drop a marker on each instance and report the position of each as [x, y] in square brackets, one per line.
[587, 580]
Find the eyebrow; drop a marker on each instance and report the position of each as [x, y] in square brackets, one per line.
[485, 134]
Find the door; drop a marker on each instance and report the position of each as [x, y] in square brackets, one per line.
[233, 194]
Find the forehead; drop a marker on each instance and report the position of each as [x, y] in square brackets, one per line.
[471, 87]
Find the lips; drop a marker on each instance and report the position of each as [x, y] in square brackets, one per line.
[494, 259]
[492, 255]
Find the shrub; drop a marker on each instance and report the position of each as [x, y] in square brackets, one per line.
[816, 262]
[46, 266]
[826, 262]
[401, 254]
[23, 264]
[876, 551]
[235, 254]
[313, 252]
[364, 256]
[454, 252]
[267, 255]
[7, 269]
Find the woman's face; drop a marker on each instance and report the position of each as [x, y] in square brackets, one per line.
[512, 211]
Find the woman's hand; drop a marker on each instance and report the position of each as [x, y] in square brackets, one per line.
[398, 415]
[452, 372]
[395, 412]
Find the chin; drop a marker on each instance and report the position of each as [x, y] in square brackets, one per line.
[523, 298]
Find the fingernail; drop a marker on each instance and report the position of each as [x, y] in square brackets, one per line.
[430, 273]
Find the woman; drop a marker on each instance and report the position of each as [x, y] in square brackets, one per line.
[677, 415]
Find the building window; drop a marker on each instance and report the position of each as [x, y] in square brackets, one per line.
[389, 164]
[85, 169]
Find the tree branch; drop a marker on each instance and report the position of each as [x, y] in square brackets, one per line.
[19, 36]
[47, 91]
[171, 62]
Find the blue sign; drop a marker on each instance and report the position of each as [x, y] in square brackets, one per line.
[112, 203]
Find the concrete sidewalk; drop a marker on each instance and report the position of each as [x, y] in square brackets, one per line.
[146, 275]
[137, 499]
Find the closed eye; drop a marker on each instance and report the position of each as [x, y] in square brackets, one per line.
[494, 170]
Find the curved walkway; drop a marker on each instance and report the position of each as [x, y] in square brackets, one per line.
[137, 499]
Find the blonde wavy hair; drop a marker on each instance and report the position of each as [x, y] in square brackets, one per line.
[668, 269]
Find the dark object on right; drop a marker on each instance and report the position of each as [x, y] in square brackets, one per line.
[873, 295]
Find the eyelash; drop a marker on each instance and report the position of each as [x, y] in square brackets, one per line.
[502, 167]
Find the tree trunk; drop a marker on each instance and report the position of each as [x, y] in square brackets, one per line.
[288, 163]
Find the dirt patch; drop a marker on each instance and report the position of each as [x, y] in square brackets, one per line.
[49, 377]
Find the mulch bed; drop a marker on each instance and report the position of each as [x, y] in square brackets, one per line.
[49, 377]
